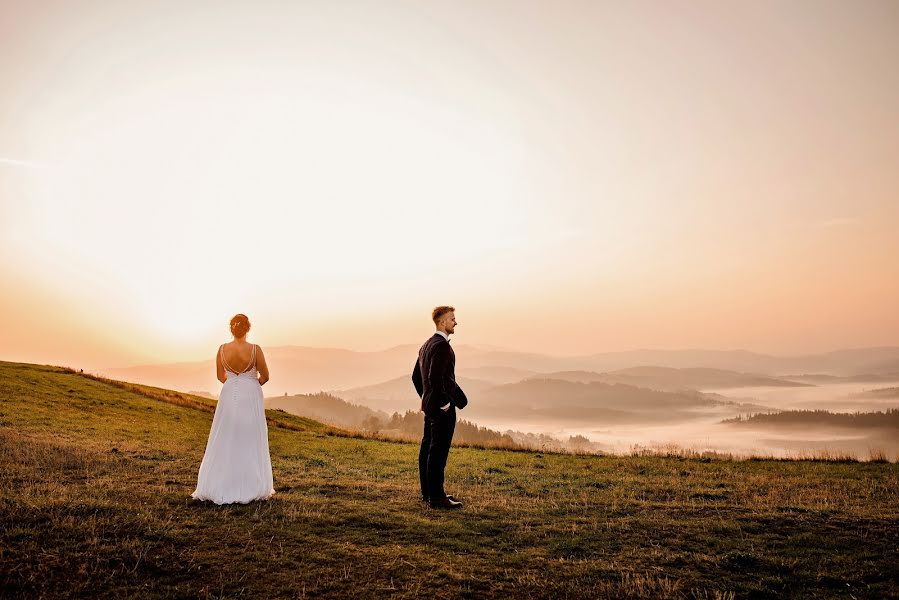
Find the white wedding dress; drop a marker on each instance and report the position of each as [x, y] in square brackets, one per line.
[236, 466]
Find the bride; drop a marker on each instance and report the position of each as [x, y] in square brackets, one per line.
[236, 466]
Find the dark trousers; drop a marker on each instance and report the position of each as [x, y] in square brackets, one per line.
[435, 445]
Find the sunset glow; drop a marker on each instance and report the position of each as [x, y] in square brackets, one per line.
[574, 178]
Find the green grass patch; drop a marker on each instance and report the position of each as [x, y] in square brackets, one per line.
[95, 478]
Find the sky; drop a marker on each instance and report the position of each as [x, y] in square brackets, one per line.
[574, 177]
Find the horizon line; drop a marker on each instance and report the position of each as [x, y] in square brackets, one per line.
[591, 354]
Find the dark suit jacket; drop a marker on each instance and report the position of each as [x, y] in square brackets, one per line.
[434, 376]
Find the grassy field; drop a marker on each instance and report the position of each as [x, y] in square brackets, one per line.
[94, 500]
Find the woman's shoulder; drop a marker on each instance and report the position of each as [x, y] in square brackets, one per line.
[233, 343]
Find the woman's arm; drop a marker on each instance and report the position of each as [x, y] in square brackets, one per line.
[261, 366]
[219, 367]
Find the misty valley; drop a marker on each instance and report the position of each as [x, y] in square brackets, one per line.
[736, 403]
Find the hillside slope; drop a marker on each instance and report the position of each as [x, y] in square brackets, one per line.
[95, 478]
[326, 408]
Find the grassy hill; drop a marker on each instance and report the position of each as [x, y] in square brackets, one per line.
[95, 477]
[325, 408]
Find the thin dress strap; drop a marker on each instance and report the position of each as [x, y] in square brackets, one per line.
[225, 362]
[252, 359]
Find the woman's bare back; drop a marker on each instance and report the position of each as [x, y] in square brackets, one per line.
[238, 355]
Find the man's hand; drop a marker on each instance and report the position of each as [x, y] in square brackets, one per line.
[416, 379]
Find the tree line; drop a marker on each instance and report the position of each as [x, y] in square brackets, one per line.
[888, 418]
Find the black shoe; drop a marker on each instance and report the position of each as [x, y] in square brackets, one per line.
[445, 503]
[426, 499]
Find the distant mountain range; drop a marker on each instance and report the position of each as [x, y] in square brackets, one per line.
[495, 375]
[294, 369]
[399, 393]
[571, 402]
[298, 369]
[667, 378]
[855, 361]
[531, 400]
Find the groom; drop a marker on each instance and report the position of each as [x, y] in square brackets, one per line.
[435, 381]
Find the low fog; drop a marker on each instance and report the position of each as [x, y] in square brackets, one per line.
[656, 400]
[705, 432]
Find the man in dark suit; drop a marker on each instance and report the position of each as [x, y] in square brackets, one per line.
[434, 377]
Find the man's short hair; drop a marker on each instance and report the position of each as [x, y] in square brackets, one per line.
[438, 312]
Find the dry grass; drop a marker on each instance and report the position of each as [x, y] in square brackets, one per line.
[94, 499]
[878, 455]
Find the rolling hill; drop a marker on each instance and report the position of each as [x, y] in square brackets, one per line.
[536, 399]
[398, 394]
[95, 477]
[668, 378]
[325, 408]
[300, 369]
[495, 375]
[844, 362]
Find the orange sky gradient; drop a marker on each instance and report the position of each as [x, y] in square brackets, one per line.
[574, 177]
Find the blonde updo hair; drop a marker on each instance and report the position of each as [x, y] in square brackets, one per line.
[240, 325]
